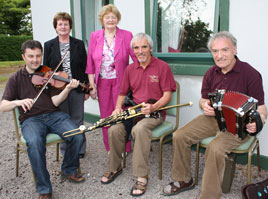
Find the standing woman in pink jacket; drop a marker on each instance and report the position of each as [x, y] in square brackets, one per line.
[108, 56]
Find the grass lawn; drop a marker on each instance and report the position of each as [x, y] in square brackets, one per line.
[7, 68]
[2, 79]
[11, 63]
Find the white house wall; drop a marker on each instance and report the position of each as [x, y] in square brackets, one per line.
[248, 22]
[133, 18]
[43, 13]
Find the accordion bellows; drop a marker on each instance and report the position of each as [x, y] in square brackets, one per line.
[232, 111]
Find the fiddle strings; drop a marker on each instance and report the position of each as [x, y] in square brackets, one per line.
[60, 78]
[44, 86]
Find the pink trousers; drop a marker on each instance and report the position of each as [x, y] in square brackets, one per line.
[107, 93]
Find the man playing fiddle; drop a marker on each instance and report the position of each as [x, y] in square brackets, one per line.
[149, 78]
[42, 117]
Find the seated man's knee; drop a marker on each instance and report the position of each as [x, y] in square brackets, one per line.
[214, 147]
[115, 130]
[138, 127]
[35, 142]
[178, 135]
[139, 133]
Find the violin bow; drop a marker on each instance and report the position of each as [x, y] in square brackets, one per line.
[44, 86]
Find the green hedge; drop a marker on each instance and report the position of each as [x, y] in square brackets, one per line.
[10, 47]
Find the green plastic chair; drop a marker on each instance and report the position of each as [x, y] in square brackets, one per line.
[163, 132]
[21, 143]
[248, 147]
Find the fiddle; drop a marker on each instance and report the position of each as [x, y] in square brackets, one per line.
[58, 81]
[48, 80]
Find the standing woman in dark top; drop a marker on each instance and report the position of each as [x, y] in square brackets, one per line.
[74, 64]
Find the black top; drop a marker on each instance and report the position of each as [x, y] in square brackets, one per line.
[78, 57]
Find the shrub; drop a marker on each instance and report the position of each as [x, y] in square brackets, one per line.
[10, 47]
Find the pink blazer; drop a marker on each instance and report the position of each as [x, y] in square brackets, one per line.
[122, 50]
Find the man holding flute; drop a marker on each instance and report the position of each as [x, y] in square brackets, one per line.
[149, 78]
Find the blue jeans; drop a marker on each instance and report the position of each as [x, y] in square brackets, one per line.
[35, 130]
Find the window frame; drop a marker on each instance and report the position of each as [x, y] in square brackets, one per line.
[82, 11]
[189, 63]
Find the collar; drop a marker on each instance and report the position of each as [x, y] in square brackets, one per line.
[137, 64]
[236, 68]
[117, 32]
[24, 71]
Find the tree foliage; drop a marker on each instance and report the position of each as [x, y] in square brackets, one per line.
[10, 47]
[15, 17]
[196, 36]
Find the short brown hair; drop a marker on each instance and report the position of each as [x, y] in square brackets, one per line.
[107, 9]
[32, 44]
[62, 16]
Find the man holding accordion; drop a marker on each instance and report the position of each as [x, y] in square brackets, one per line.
[231, 75]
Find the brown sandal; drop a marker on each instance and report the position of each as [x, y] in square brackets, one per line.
[112, 175]
[174, 188]
[141, 186]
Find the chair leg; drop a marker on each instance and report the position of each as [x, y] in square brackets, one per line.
[57, 151]
[160, 159]
[258, 156]
[197, 163]
[17, 160]
[249, 165]
[124, 157]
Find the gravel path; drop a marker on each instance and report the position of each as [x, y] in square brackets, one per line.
[93, 166]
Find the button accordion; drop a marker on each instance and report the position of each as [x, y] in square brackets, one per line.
[233, 111]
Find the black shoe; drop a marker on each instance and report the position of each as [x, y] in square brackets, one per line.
[82, 155]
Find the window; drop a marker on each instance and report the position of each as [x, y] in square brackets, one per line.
[181, 28]
[90, 20]
[184, 25]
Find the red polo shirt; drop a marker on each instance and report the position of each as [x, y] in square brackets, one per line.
[148, 83]
[242, 78]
